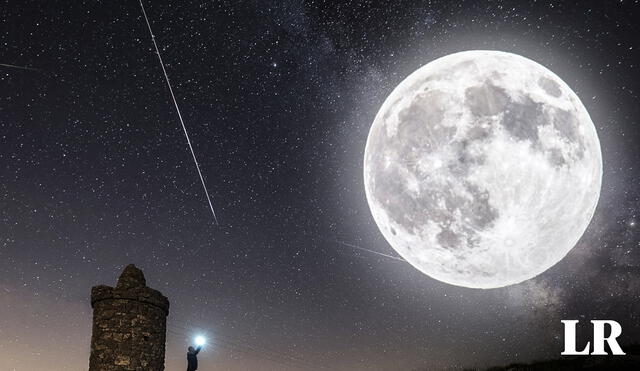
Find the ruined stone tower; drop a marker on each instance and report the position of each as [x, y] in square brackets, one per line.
[129, 325]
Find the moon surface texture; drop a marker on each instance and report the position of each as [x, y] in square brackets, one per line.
[482, 169]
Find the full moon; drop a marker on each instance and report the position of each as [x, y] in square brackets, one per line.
[482, 169]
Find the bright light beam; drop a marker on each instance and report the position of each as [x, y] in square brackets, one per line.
[200, 341]
[184, 128]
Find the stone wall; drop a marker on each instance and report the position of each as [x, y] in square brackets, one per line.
[129, 325]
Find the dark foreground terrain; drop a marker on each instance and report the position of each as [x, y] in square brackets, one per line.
[630, 361]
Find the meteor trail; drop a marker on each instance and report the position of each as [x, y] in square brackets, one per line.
[371, 251]
[184, 128]
[19, 67]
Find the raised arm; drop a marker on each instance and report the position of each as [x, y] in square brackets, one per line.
[198, 348]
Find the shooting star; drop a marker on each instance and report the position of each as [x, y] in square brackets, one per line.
[20, 67]
[370, 251]
[184, 128]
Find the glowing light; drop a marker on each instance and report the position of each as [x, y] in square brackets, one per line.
[200, 340]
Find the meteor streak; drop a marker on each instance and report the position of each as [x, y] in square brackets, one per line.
[19, 67]
[371, 251]
[184, 128]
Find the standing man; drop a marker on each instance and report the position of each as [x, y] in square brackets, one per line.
[192, 359]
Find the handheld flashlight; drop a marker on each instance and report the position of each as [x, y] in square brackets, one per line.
[200, 340]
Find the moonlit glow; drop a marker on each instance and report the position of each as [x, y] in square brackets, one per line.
[200, 340]
[482, 169]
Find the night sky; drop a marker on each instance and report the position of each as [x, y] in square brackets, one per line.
[278, 97]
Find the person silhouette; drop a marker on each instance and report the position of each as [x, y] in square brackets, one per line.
[192, 359]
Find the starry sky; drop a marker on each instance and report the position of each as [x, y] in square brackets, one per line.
[278, 97]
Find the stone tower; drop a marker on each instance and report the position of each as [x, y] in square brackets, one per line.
[129, 325]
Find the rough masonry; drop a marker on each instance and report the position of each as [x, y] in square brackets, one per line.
[129, 325]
